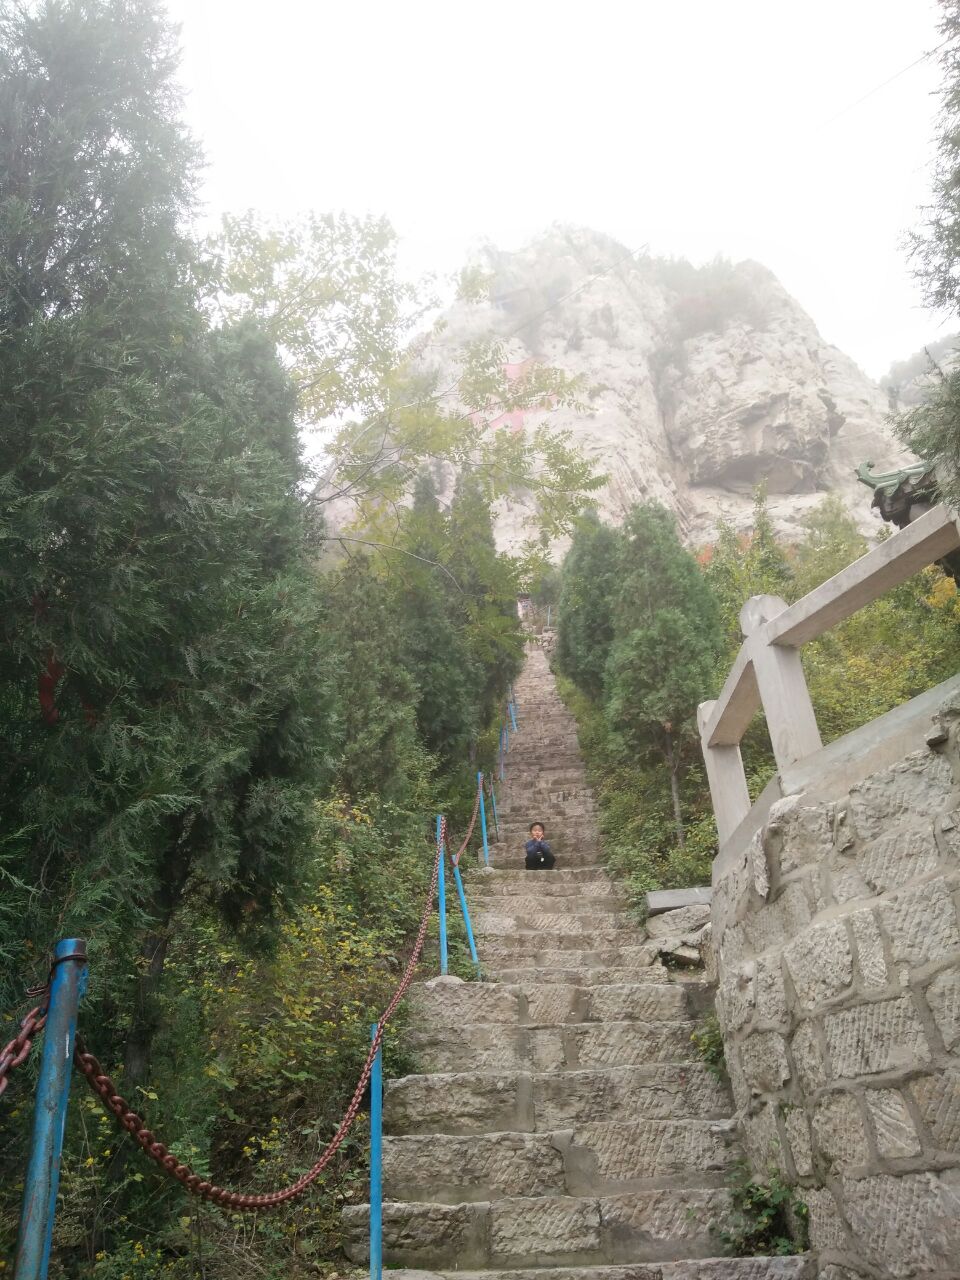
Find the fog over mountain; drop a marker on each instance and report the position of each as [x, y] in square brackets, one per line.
[700, 383]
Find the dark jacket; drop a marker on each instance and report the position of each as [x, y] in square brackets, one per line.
[539, 857]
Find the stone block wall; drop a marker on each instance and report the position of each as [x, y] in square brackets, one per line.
[837, 936]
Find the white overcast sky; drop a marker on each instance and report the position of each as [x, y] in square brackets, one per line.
[701, 127]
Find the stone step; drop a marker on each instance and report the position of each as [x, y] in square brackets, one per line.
[501, 882]
[536, 1102]
[550, 751]
[571, 849]
[799, 1267]
[507, 857]
[574, 821]
[563, 844]
[535, 785]
[565, 782]
[496, 1047]
[562, 875]
[652, 972]
[555, 928]
[594, 1158]
[451, 1002]
[529, 950]
[520, 903]
[642, 1226]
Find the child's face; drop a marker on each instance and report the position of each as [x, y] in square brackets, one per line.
[537, 831]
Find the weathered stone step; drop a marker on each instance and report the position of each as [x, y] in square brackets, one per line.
[569, 831]
[451, 1002]
[551, 750]
[562, 875]
[530, 951]
[799, 1267]
[560, 782]
[556, 819]
[652, 971]
[661, 1225]
[571, 852]
[594, 1158]
[504, 882]
[536, 1102]
[558, 772]
[496, 1047]
[555, 928]
[525, 904]
[509, 857]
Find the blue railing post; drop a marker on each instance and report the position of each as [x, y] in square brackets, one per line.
[513, 717]
[466, 920]
[376, 1161]
[483, 822]
[442, 902]
[50, 1114]
[496, 816]
[501, 753]
[548, 616]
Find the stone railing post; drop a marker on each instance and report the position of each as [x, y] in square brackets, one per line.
[784, 695]
[728, 782]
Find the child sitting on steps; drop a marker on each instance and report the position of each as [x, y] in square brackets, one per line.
[538, 855]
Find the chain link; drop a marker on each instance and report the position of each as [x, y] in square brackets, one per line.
[17, 1051]
[455, 857]
[136, 1126]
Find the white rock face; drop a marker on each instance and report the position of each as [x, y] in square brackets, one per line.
[698, 385]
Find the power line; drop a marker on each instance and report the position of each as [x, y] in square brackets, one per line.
[876, 89]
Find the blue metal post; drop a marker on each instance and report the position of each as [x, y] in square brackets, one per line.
[466, 920]
[50, 1115]
[376, 1162]
[513, 717]
[501, 753]
[496, 816]
[548, 616]
[483, 822]
[442, 903]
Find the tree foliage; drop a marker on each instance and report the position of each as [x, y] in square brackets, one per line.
[666, 638]
[224, 745]
[932, 428]
[588, 588]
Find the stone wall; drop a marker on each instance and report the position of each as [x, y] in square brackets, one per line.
[838, 952]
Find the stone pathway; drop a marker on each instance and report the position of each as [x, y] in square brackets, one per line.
[562, 1127]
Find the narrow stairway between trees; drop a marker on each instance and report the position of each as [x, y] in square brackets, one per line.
[562, 1124]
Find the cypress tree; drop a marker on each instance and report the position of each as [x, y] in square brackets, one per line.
[164, 713]
[588, 587]
[666, 642]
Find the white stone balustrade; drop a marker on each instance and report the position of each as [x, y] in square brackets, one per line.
[767, 674]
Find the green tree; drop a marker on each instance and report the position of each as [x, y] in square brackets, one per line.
[932, 429]
[376, 693]
[666, 642]
[831, 542]
[488, 582]
[327, 290]
[739, 566]
[164, 717]
[589, 585]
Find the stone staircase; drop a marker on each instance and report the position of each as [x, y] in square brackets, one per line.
[561, 1126]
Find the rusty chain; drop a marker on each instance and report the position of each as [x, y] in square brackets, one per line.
[17, 1051]
[136, 1126]
[455, 857]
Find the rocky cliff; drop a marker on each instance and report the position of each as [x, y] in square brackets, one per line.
[699, 383]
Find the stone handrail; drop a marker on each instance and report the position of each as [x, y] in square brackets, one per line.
[768, 675]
